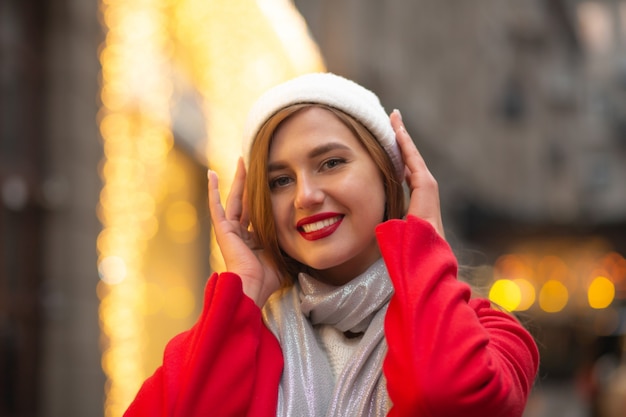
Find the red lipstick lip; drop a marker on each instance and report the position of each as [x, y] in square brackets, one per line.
[316, 218]
[324, 231]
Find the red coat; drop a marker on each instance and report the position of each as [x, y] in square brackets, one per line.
[448, 355]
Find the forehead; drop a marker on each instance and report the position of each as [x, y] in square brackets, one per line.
[311, 127]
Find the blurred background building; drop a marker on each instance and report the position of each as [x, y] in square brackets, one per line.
[519, 110]
[111, 111]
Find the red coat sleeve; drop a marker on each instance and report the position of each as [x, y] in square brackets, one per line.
[447, 355]
[228, 364]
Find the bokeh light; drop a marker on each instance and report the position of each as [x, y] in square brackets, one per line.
[180, 302]
[506, 294]
[112, 269]
[135, 129]
[570, 275]
[512, 288]
[553, 296]
[228, 52]
[527, 292]
[601, 292]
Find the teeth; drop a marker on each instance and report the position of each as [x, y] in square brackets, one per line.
[313, 227]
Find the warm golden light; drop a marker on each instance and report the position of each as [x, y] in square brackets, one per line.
[512, 266]
[112, 269]
[513, 289]
[553, 296]
[552, 267]
[513, 294]
[233, 51]
[527, 292]
[180, 302]
[154, 298]
[601, 292]
[552, 274]
[615, 265]
[506, 294]
[134, 125]
[182, 221]
[228, 52]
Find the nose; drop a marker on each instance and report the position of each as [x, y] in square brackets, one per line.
[308, 193]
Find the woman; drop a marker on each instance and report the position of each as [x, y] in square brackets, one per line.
[333, 305]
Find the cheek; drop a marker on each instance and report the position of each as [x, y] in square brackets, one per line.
[376, 199]
[281, 217]
[371, 190]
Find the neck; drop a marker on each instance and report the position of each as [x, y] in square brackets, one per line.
[344, 273]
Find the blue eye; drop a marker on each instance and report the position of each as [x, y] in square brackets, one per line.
[279, 182]
[333, 162]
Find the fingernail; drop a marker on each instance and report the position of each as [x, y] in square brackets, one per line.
[399, 114]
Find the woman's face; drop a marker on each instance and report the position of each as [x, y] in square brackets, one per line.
[327, 195]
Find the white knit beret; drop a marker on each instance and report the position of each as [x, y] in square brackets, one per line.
[334, 91]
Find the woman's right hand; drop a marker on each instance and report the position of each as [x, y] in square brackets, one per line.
[237, 242]
[424, 200]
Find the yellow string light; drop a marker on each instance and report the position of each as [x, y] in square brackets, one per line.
[134, 125]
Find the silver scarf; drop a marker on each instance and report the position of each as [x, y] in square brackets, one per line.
[307, 386]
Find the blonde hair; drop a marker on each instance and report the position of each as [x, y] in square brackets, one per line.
[259, 201]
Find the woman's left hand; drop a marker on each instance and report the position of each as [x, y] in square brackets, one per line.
[424, 200]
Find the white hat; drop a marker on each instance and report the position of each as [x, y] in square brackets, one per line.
[334, 91]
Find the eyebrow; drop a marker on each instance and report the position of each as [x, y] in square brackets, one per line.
[313, 153]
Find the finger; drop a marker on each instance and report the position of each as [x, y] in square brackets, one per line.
[416, 171]
[410, 154]
[424, 200]
[245, 213]
[407, 175]
[234, 201]
[215, 205]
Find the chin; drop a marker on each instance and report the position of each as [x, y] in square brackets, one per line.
[321, 265]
